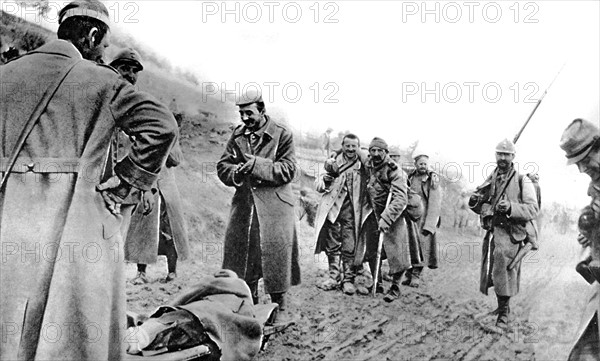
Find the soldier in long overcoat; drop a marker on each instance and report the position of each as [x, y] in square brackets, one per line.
[425, 183]
[260, 240]
[159, 229]
[387, 190]
[164, 230]
[581, 143]
[509, 209]
[340, 214]
[62, 290]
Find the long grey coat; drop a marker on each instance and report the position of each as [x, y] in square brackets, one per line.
[429, 189]
[385, 179]
[498, 249]
[62, 290]
[360, 202]
[268, 192]
[141, 244]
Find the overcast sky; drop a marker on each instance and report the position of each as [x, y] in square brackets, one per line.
[457, 76]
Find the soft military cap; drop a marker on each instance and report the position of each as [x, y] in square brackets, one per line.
[379, 143]
[89, 8]
[128, 56]
[506, 146]
[577, 140]
[250, 96]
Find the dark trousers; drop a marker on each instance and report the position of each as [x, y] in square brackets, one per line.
[340, 239]
[254, 265]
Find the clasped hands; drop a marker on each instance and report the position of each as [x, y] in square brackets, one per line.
[246, 168]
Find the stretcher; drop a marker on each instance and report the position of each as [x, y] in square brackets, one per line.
[204, 352]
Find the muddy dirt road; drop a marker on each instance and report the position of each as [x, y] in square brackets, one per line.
[434, 322]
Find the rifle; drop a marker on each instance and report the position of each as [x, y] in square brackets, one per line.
[536, 106]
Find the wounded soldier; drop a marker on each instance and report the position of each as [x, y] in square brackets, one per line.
[215, 320]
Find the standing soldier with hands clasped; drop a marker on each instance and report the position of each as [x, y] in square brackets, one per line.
[260, 240]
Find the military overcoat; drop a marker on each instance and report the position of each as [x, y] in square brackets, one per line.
[360, 202]
[267, 190]
[429, 189]
[387, 180]
[141, 244]
[502, 244]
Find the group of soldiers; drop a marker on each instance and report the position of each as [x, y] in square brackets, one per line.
[88, 200]
[364, 197]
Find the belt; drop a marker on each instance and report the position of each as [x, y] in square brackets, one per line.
[45, 165]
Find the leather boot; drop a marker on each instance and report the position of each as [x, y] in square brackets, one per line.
[503, 311]
[380, 288]
[280, 316]
[394, 291]
[415, 280]
[348, 282]
[335, 275]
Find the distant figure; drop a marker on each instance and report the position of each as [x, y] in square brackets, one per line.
[326, 142]
[461, 211]
[173, 106]
[395, 154]
[563, 221]
[176, 113]
[426, 183]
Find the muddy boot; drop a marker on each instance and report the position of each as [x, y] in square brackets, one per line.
[348, 281]
[280, 316]
[335, 275]
[408, 279]
[363, 280]
[503, 312]
[394, 291]
[415, 280]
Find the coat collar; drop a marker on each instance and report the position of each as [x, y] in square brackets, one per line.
[269, 129]
[59, 47]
